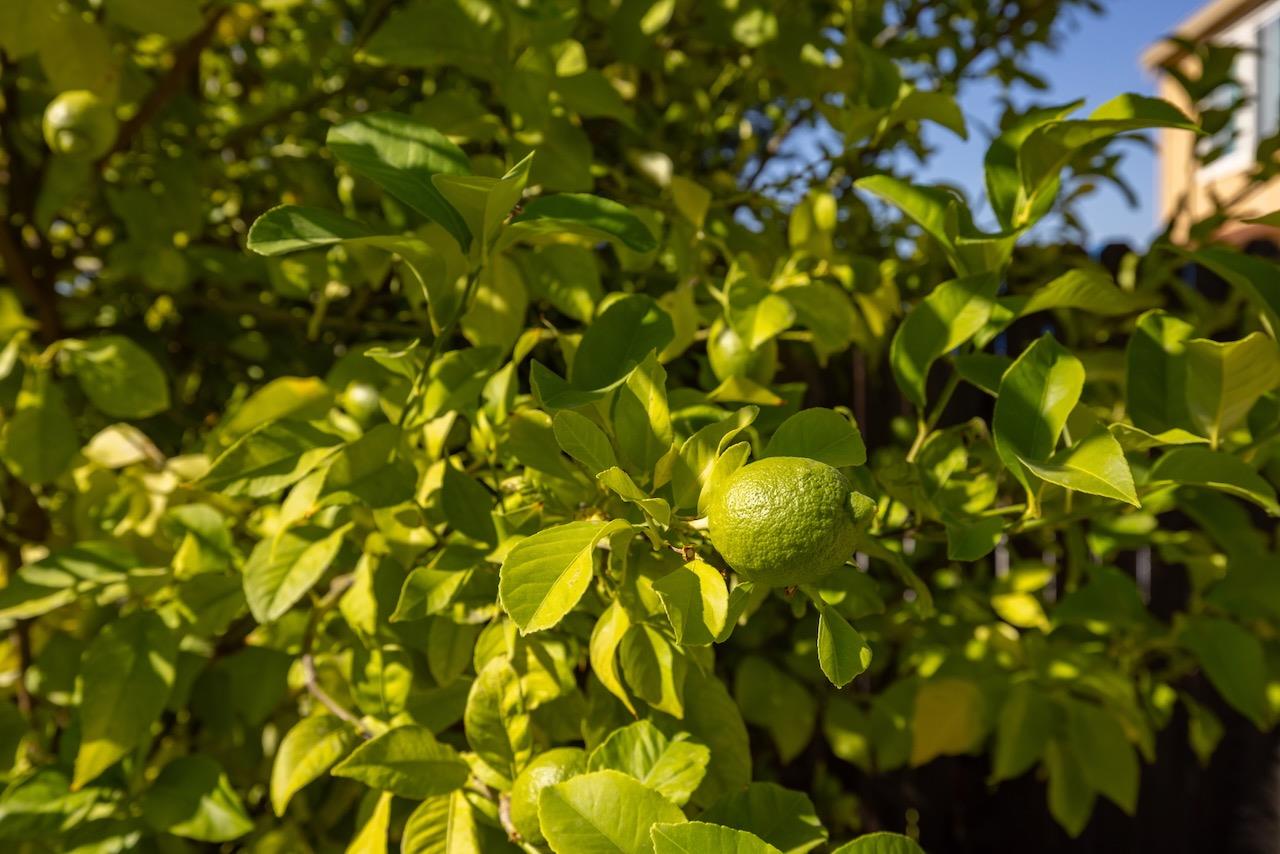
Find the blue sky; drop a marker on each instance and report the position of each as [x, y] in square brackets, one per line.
[1097, 59]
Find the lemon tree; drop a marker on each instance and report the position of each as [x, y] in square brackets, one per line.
[464, 425]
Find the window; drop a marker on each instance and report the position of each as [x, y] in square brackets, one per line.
[1268, 77]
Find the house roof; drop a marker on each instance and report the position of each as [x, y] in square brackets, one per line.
[1201, 24]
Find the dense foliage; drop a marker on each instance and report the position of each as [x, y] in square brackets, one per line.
[369, 370]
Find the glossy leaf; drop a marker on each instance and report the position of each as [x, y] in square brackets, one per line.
[401, 156]
[119, 377]
[1225, 380]
[696, 601]
[406, 761]
[703, 838]
[949, 316]
[604, 812]
[842, 651]
[193, 798]
[672, 767]
[1037, 393]
[307, 751]
[544, 576]
[819, 434]
[128, 674]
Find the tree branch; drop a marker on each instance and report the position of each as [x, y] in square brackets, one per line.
[43, 298]
[169, 86]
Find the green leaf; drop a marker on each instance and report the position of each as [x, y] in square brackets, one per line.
[580, 438]
[880, 843]
[1156, 373]
[300, 398]
[948, 317]
[1070, 795]
[696, 601]
[974, 539]
[175, 20]
[620, 338]
[641, 418]
[819, 434]
[269, 459]
[497, 720]
[927, 207]
[374, 816]
[1234, 660]
[1106, 757]
[1083, 289]
[697, 837]
[39, 440]
[691, 199]
[654, 668]
[467, 505]
[943, 216]
[619, 482]
[1050, 147]
[1196, 466]
[774, 700]
[578, 213]
[308, 750]
[842, 651]
[545, 575]
[1036, 394]
[783, 818]
[406, 761]
[282, 569]
[193, 798]
[401, 156]
[1001, 162]
[1022, 732]
[290, 228]
[604, 812]
[1225, 380]
[120, 378]
[441, 825]
[606, 639]
[128, 671]
[1257, 278]
[1095, 465]
[698, 456]
[947, 719]
[674, 768]
[485, 202]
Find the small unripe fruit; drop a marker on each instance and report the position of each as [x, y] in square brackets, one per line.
[731, 357]
[80, 124]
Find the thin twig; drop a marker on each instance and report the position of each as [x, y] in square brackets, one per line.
[419, 382]
[170, 85]
[43, 298]
[321, 695]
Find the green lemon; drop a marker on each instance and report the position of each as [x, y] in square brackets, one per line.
[554, 766]
[731, 357]
[783, 521]
[80, 124]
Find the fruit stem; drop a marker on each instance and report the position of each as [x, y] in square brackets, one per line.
[700, 524]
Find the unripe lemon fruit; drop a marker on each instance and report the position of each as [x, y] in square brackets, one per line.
[80, 124]
[554, 766]
[783, 521]
[730, 357]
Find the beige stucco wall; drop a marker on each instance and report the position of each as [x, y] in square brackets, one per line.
[1183, 195]
[1190, 197]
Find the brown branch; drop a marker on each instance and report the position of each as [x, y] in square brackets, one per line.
[43, 298]
[169, 86]
[322, 696]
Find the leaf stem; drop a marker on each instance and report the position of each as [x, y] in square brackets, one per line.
[925, 426]
[446, 332]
